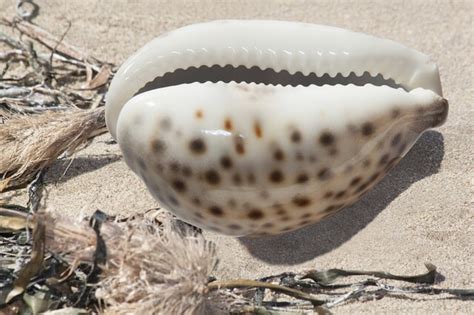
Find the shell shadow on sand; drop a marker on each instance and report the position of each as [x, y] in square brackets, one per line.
[64, 170]
[423, 160]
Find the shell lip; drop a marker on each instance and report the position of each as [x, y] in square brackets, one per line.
[269, 76]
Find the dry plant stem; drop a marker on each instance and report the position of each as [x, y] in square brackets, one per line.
[12, 220]
[242, 283]
[51, 41]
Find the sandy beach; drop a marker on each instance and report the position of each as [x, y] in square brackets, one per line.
[423, 210]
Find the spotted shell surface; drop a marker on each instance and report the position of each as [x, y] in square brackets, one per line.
[245, 158]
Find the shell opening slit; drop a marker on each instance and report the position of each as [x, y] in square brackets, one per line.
[263, 127]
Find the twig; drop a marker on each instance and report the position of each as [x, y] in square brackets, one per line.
[51, 41]
[10, 41]
[14, 53]
[15, 92]
[241, 283]
[35, 192]
[56, 47]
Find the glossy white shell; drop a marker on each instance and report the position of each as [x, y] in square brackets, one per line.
[245, 158]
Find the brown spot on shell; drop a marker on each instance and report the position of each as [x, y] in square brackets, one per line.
[366, 163]
[257, 128]
[348, 168]
[280, 210]
[301, 201]
[237, 179]
[174, 166]
[179, 185]
[302, 178]
[355, 181]
[251, 178]
[165, 124]
[326, 138]
[199, 114]
[367, 129]
[276, 176]
[329, 209]
[420, 111]
[212, 177]
[340, 194]
[396, 140]
[234, 227]
[231, 203]
[396, 112]
[305, 216]
[328, 195]
[157, 146]
[239, 145]
[159, 168]
[324, 174]
[187, 171]
[216, 211]
[197, 146]
[255, 214]
[279, 155]
[226, 162]
[196, 201]
[295, 136]
[384, 159]
[268, 225]
[361, 187]
[228, 124]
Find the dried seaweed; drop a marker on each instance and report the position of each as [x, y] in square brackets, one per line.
[327, 277]
[33, 266]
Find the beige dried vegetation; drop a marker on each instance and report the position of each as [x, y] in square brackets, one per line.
[30, 143]
[151, 268]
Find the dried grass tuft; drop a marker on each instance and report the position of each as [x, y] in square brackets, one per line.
[158, 272]
[32, 142]
[151, 269]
